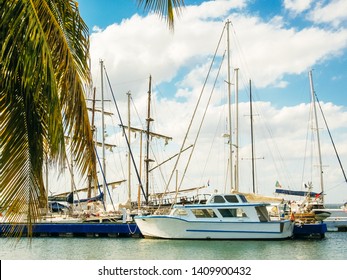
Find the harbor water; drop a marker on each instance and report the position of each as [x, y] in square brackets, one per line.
[332, 247]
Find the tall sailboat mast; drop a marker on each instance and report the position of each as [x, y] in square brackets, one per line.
[237, 129]
[313, 99]
[129, 159]
[149, 120]
[91, 176]
[252, 137]
[103, 130]
[149, 135]
[229, 111]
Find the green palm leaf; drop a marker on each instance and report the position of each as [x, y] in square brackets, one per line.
[43, 61]
[43, 69]
[164, 8]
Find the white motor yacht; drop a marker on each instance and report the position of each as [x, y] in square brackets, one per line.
[223, 216]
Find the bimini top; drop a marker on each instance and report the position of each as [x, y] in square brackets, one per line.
[224, 200]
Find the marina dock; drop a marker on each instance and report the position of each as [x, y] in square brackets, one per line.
[124, 230]
[76, 229]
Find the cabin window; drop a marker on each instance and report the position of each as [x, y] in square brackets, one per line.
[228, 213]
[231, 198]
[232, 213]
[241, 213]
[204, 213]
[218, 199]
[243, 198]
[180, 212]
[262, 214]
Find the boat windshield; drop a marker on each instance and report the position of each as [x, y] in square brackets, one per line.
[231, 198]
[217, 199]
[204, 213]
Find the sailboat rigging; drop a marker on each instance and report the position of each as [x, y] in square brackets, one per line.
[319, 153]
[229, 110]
[332, 141]
[312, 208]
[125, 135]
[318, 136]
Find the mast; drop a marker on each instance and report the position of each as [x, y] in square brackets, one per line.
[103, 130]
[148, 120]
[47, 189]
[129, 159]
[150, 134]
[229, 111]
[124, 132]
[252, 137]
[313, 99]
[140, 174]
[72, 178]
[92, 176]
[237, 129]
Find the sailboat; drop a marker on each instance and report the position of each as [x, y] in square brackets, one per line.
[222, 216]
[152, 201]
[337, 221]
[93, 208]
[311, 209]
[82, 216]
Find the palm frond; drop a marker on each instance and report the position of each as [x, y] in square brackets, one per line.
[43, 60]
[164, 8]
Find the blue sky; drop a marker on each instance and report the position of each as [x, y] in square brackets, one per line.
[105, 12]
[274, 43]
[330, 74]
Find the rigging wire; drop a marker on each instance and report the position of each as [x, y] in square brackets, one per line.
[114, 125]
[104, 180]
[194, 113]
[151, 146]
[306, 144]
[215, 135]
[202, 120]
[125, 135]
[331, 138]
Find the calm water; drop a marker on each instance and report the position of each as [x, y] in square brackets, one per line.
[333, 247]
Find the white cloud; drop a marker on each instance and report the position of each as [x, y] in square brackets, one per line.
[297, 6]
[270, 51]
[334, 13]
[96, 29]
[141, 46]
[281, 136]
[264, 51]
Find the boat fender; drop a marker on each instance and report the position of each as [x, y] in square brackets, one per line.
[124, 215]
[292, 218]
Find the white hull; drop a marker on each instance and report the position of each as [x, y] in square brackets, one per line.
[177, 228]
[337, 220]
[336, 224]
